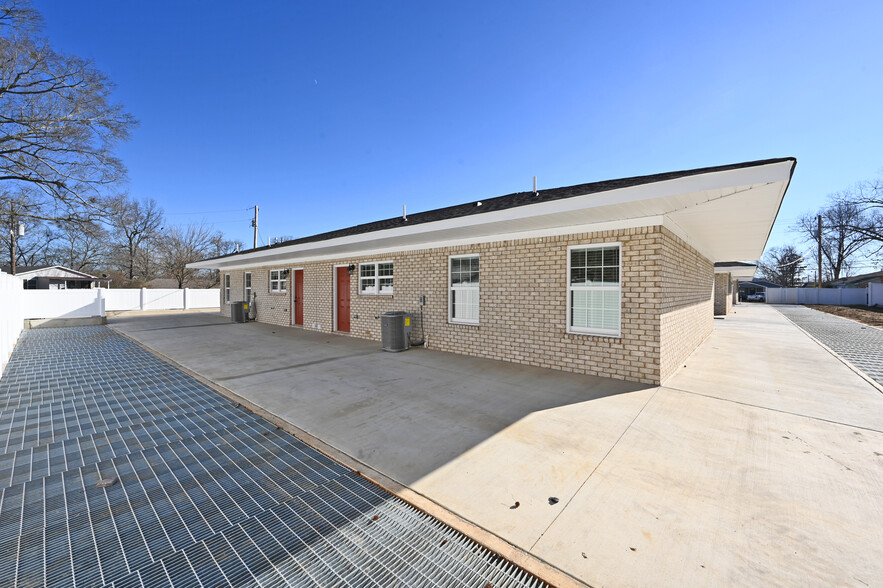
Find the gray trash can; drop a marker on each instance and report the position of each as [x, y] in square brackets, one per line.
[395, 330]
[239, 312]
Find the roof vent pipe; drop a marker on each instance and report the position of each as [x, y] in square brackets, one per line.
[534, 185]
[404, 212]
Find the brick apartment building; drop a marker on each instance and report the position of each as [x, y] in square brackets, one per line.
[613, 278]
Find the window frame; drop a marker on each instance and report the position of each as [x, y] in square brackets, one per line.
[376, 277]
[460, 321]
[282, 281]
[614, 333]
[227, 288]
[247, 287]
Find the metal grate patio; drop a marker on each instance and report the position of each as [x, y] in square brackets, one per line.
[205, 493]
[861, 345]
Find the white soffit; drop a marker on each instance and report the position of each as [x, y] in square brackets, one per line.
[738, 271]
[726, 215]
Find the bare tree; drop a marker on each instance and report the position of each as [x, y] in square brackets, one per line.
[868, 196]
[32, 248]
[782, 265]
[58, 125]
[79, 246]
[133, 223]
[180, 246]
[842, 244]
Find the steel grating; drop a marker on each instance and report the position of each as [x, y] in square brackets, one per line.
[206, 493]
[861, 345]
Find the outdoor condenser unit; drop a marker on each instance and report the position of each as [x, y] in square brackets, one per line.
[239, 312]
[395, 330]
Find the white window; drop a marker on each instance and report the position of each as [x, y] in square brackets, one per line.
[593, 290]
[375, 278]
[226, 288]
[248, 287]
[279, 281]
[463, 296]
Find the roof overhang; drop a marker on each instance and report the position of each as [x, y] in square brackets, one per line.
[56, 272]
[737, 270]
[725, 215]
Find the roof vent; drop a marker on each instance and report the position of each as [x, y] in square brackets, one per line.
[535, 193]
[478, 203]
[404, 212]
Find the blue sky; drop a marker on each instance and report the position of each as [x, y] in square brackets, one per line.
[330, 114]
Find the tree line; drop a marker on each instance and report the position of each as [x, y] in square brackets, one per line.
[59, 176]
[125, 239]
[851, 237]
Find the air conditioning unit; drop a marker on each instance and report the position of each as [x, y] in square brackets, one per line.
[239, 312]
[395, 331]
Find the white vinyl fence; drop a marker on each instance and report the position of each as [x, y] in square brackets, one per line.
[875, 294]
[11, 317]
[834, 296]
[160, 299]
[42, 304]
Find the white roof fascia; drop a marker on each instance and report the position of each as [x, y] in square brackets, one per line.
[588, 228]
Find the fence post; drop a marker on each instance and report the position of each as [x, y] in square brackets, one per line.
[840, 296]
[101, 305]
[186, 298]
[143, 297]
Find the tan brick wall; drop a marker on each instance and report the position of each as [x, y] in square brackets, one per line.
[523, 314]
[687, 316]
[723, 293]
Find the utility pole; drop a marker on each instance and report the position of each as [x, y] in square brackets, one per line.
[12, 233]
[820, 250]
[254, 223]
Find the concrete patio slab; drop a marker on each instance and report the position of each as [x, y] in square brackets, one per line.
[405, 414]
[765, 444]
[540, 462]
[758, 357]
[701, 491]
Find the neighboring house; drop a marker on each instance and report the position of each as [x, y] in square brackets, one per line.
[726, 279]
[611, 278]
[860, 281]
[757, 286]
[55, 277]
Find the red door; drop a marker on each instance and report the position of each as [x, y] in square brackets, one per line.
[298, 297]
[343, 300]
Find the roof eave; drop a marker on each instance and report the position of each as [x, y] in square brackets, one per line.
[673, 198]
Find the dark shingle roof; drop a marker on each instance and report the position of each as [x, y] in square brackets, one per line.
[510, 201]
[20, 269]
[734, 264]
[859, 279]
[759, 282]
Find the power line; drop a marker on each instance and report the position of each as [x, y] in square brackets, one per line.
[209, 211]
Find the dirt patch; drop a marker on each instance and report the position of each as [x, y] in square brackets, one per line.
[869, 315]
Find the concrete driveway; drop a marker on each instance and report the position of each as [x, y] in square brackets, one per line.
[760, 462]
